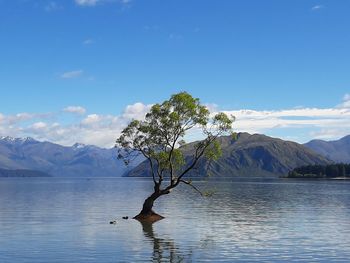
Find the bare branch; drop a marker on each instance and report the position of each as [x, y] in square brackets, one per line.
[197, 156]
[194, 187]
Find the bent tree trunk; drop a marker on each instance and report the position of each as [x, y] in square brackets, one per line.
[147, 213]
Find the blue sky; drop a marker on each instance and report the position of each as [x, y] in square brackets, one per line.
[100, 56]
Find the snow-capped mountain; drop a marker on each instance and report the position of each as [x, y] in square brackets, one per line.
[57, 160]
[10, 139]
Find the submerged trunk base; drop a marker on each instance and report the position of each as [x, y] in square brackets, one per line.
[149, 217]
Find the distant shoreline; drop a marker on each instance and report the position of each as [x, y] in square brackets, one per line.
[7, 173]
[317, 178]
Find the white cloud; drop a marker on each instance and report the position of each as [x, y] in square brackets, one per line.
[91, 119]
[346, 102]
[306, 120]
[294, 118]
[212, 107]
[317, 7]
[23, 116]
[88, 41]
[51, 6]
[75, 109]
[102, 129]
[72, 74]
[96, 129]
[95, 2]
[329, 134]
[38, 125]
[136, 111]
[86, 2]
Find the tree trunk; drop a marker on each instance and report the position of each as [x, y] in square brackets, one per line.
[147, 214]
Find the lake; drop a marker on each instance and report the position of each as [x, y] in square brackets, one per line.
[251, 220]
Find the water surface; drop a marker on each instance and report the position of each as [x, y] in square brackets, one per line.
[253, 220]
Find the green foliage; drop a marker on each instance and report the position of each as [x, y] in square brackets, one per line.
[178, 159]
[209, 193]
[223, 121]
[213, 152]
[321, 171]
[162, 132]
[234, 136]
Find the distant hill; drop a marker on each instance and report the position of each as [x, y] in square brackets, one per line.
[249, 155]
[338, 151]
[57, 160]
[22, 173]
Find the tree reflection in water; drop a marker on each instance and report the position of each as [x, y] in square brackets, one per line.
[164, 250]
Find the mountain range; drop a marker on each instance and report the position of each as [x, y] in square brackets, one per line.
[338, 151]
[249, 155]
[58, 160]
[246, 155]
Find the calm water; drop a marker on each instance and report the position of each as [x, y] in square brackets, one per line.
[67, 220]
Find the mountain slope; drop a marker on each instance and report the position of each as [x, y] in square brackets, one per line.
[249, 155]
[338, 151]
[57, 160]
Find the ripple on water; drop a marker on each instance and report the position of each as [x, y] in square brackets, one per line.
[67, 220]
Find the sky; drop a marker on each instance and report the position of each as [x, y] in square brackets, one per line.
[80, 70]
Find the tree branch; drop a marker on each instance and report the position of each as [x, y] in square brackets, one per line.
[153, 175]
[190, 184]
[196, 158]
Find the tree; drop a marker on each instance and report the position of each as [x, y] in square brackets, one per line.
[159, 139]
[342, 170]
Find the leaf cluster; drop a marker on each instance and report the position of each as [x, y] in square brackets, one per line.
[159, 136]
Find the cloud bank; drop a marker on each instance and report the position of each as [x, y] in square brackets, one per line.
[299, 124]
[75, 109]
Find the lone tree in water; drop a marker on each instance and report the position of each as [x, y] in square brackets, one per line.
[159, 139]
